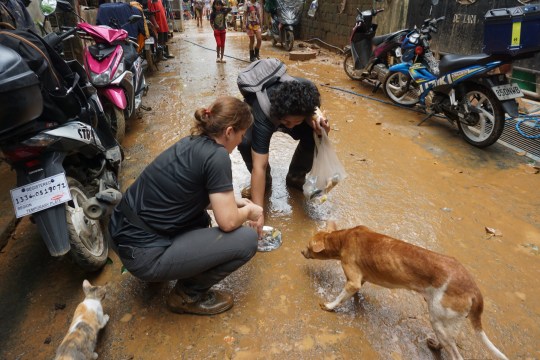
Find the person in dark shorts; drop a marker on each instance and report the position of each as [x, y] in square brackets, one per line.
[159, 20]
[292, 109]
[161, 228]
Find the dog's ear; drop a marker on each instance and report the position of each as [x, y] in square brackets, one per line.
[317, 245]
[331, 226]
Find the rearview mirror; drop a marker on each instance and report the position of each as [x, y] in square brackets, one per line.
[47, 7]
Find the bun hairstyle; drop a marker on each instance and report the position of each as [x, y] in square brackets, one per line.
[224, 112]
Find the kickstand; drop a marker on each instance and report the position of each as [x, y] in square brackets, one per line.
[145, 107]
[425, 119]
[376, 87]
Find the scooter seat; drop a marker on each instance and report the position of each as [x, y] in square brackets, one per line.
[453, 62]
[377, 40]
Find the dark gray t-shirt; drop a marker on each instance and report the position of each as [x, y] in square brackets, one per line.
[172, 193]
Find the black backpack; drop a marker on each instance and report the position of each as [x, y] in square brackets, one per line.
[62, 96]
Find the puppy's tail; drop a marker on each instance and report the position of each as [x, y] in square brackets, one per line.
[475, 316]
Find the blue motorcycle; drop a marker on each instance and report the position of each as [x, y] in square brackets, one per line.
[472, 91]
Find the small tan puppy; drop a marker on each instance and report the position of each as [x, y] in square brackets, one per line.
[448, 288]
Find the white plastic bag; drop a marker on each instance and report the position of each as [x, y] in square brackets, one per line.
[326, 172]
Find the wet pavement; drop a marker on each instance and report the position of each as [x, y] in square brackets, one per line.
[424, 185]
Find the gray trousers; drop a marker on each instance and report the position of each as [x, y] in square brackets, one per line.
[198, 259]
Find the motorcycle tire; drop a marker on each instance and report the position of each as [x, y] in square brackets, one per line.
[150, 61]
[116, 119]
[88, 238]
[289, 40]
[490, 122]
[393, 87]
[348, 66]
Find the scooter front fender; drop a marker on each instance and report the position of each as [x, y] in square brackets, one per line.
[115, 95]
[401, 67]
[51, 222]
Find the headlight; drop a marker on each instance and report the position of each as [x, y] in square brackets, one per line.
[101, 79]
[119, 71]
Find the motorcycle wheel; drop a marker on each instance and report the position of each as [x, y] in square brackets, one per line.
[116, 120]
[88, 238]
[289, 40]
[348, 66]
[490, 118]
[394, 88]
[150, 60]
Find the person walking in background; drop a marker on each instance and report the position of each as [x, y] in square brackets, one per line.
[253, 16]
[199, 6]
[161, 228]
[234, 11]
[159, 20]
[207, 9]
[218, 21]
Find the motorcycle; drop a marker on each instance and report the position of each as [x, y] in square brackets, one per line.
[115, 68]
[369, 57]
[288, 14]
[471, 91]
[67, 166]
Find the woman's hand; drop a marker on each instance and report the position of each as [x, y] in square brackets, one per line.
[258, 225]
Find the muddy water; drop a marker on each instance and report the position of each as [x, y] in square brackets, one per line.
[421, 184]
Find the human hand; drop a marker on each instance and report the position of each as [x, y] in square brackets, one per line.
[320, 122]
[258, 225]
[255, 212]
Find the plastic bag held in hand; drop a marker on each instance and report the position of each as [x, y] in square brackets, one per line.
[327, 170]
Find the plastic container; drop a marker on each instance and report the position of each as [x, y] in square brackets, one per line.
[20, 94]
[512, 31]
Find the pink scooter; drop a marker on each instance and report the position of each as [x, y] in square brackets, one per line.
[115, 68]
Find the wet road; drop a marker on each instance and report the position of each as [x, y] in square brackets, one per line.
[424, 185]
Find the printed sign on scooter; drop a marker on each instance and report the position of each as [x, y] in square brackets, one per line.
[40, 195]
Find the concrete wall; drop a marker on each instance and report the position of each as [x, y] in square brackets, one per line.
[335, 19]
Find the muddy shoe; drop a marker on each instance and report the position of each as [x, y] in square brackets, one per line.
[295, 181]
[210, 303]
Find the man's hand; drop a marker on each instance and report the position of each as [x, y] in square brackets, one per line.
[319, 122]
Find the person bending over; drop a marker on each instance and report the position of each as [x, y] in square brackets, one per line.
[292, 106]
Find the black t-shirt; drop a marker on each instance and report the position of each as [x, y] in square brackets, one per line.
[172, 193]
[263, 128]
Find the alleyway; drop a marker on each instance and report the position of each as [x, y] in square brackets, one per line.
[424, 185]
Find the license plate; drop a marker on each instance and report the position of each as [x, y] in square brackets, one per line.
[507, 91]
[40, 195]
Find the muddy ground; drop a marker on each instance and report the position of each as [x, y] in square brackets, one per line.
[424, 185]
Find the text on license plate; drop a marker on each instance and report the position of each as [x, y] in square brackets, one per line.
[40, 195]
[507, 91]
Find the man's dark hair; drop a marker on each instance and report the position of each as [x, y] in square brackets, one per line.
[294, 98]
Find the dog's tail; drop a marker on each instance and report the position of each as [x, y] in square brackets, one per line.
[475, 316]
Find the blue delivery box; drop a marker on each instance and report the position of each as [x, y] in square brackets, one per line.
[512, 31]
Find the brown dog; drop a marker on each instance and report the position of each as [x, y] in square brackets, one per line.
[448, 288]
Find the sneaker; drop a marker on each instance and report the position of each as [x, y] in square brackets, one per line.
[210, 303]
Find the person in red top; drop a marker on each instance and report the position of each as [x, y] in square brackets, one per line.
[159, 20]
